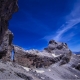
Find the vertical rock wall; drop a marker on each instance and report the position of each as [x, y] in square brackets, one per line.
[7, 8]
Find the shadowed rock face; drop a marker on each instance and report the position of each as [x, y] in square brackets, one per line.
[6, 44]
[75, 61]
[7, 8]
[31, 58]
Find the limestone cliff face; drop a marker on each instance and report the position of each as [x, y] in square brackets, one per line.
[7, 8]
[59, 48]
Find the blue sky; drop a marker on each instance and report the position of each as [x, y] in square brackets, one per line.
[38, 21]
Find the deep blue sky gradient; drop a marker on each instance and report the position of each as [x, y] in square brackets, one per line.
[38, 21]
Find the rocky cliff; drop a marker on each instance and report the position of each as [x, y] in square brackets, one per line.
[7, 8]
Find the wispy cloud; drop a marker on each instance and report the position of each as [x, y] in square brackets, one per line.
[65, 28]
[71, 20]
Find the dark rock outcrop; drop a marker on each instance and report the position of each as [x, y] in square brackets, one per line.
[78, 67]
[7, 8]
[31, 58]
[75, 61]
[23, 76]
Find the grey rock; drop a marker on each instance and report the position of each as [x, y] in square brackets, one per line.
[75, 61]
[53, 45]
[32, 58]
[11, 70]
[59, 48]
[7, 8]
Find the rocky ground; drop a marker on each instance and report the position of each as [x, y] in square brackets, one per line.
[13, 71]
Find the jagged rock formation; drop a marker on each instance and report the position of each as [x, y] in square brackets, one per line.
[7, 8]
[37, 59]
[53, 45]
[59, 48]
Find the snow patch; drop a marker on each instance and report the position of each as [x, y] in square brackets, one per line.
[55, 55]
[49, 69]
[26, 68]
[76, 76]
[42, 77]
[39, 71]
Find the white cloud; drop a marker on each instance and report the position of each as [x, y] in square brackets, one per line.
[71, 20]
[65, 28]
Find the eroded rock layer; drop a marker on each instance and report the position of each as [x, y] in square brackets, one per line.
[31, 59]
[37, 59]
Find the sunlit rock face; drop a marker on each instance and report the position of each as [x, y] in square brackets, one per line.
[7, 8]
[59, 48]
[54, 46]
[56, 52]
